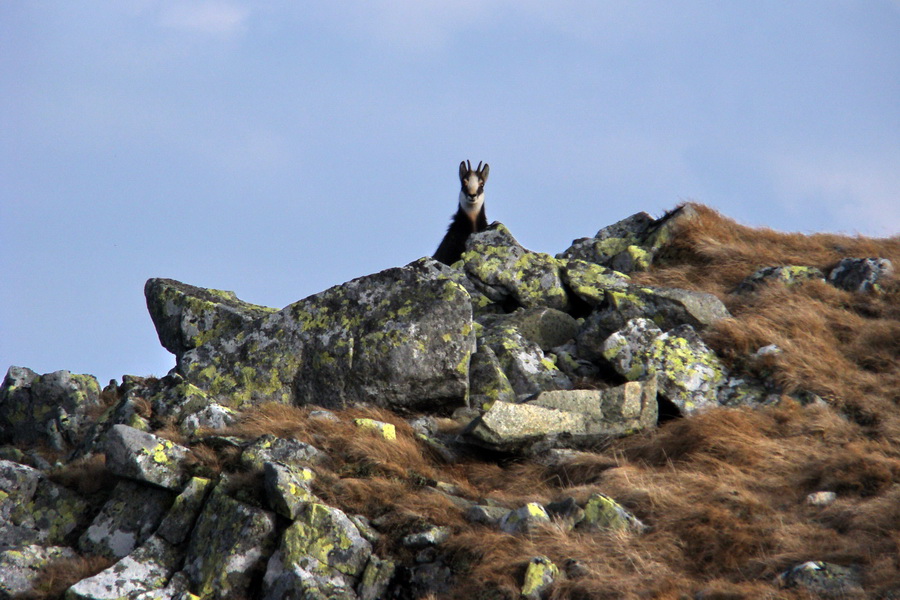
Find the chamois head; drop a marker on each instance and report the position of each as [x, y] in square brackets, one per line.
[471, 194]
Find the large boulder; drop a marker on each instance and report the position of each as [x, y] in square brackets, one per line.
[401, 339]
[46, 410]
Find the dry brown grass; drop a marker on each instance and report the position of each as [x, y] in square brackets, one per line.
[61, 574]
[723, 492]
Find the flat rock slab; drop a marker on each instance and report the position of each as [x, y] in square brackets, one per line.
[567, 418]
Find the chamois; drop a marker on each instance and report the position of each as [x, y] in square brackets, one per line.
[470, 216]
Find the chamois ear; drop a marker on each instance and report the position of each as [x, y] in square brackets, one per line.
[462, 171]
[484, 172]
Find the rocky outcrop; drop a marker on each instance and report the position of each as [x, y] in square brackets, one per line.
[401, 339]
[533, 355]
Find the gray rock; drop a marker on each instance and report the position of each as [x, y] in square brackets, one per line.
[287, 451]
[399, 339]
[145, 457]
[602, 512]
[288, 488]
[212, 416]
[786, 275]
[187, 317]
[540, 574]
[21, 568]
[568, 418]
[825, 580]
[375, 578]
[34, 510]
[590, 282]
[324, 541]
[612, 241]
[129, 517]
[489, 383]
[507, 273]
[46, 410]
[433, 536]
[294, 582]
[524, 519]
[179, 521]
[527, 369]
[860, 274]
[53, 515]
[147, 568]
[231, 540]
[546, 327]
[688, 372]
[487, 515]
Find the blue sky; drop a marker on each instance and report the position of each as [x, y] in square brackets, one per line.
[277, 148]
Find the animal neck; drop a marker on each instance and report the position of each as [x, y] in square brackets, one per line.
[473, 209]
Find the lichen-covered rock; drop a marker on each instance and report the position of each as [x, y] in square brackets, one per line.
[34, 510]
[375, 579]
[546, 327]
[53, 516]
[433, 536]
[519, 427]
[488, 383]
[602, 512]
[688, 372]
[507, 273]
[287, 451]
[567, 418]
[487, 515]
[295, 582]
[21, 568]
[527, 369]
[860, 274]
[147, 568]
[325, 541]
[400, 339]
[540, 574]
[524, 519]
[179, 521]
[825, 580]
[613, 241]
[46, 410]
[382, 429]
[212, 416]
[786, 275]
[17, 485]
[186, 316]
[288, 489]
[129, 517]
[590, 281]
[145, 457]
[228, 544]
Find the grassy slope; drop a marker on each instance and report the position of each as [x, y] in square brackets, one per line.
[724, 492]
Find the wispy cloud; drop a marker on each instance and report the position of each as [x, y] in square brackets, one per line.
[209, 17]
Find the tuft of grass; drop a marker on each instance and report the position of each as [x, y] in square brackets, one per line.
[59, 575]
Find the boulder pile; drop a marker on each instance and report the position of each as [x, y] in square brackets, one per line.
[529, 354]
